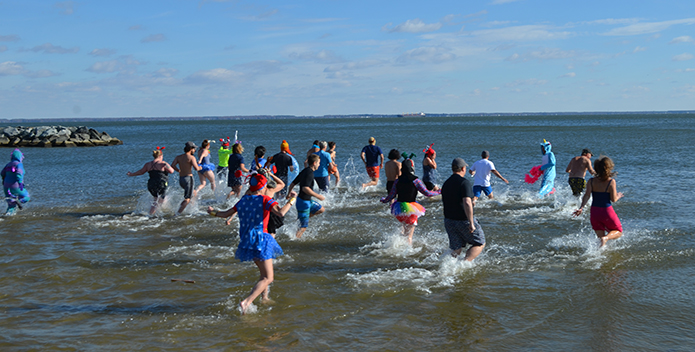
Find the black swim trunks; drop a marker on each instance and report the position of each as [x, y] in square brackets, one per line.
[577, 184]
[186, 182]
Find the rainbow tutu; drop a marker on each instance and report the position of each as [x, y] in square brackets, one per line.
[407, 212]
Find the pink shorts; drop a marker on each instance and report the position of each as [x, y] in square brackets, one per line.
[373, 171]
[605, 219]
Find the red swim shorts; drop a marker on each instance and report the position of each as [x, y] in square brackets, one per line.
[373, 171]
[605, 219]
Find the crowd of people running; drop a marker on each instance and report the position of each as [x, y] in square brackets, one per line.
[273, 179]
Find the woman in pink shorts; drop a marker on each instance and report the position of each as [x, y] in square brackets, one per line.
[603, 190]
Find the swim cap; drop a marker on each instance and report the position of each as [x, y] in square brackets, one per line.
[257, 182]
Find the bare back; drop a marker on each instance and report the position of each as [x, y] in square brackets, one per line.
[578, 166]
[392, 168]
[186, 163]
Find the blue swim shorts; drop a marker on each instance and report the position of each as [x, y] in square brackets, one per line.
[306, 208]
[476, 190]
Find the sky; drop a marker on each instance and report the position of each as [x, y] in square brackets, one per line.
[153, 58]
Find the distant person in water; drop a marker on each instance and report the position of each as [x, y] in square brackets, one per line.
[429, 167]
[13, 183]
[223, 155]
[373, 160]
[392, 168]
[256, 244]
[481, 171]
[283, 163]
[577, 169]
[321, 173]
[461, 226]
[306, 207]
[548, 169]
[159, 171]
[184, 164]
[206, 172]
[333, 170]
[259, 159]
[314, 148]
[236, 168]
[603, 191]
[406, 209]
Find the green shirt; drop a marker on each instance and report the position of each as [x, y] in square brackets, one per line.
[223, 157]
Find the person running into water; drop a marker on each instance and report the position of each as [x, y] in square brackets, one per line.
[306, 207]
[392, 168]
[406, 187]
[373, 160]
[283, 163]
[259, 159]
[321, 174]
[333, 170]
[223, 158]
[159, 171]
[236, 167]
[577, 169]
[187, 164]
[255, 243]
[207, 168]
[428, 168]
[481, 171]
[604, 221]
[313, 150]
[548, 169]
[13, 183]
[460, 224]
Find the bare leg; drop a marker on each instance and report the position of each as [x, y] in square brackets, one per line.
[266, 269]
[157, 202]
[300, 232]
[408, 231]
[490, 196]
[373, 182]
[612, 235]
[473, 252]
[211, 177]
[337, 178]
[183, 205]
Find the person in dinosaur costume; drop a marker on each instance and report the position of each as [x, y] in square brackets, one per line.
[13, 183]
[548, 169]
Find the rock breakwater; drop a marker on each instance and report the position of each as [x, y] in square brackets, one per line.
[55, 136]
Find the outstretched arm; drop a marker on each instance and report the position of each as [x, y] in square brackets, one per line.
[141, 171]
[497, 173]
[421, 187]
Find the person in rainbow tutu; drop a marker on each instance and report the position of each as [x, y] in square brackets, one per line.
[405, 189]
[256, 244]
[13, 183]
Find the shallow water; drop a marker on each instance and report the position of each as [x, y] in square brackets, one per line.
[84, 268]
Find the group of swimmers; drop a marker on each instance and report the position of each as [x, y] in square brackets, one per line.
[260, 214]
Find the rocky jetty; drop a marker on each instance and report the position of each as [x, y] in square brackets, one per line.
[55, 136]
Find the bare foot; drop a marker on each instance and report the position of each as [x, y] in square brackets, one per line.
[603, 240]
[243, 307]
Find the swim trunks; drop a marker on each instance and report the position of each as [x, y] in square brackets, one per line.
[389, 185]
[460, 235]
[186, 182]
[322, 183]
[305, 208]
[577, 184]
[478, 189]
[373, 171]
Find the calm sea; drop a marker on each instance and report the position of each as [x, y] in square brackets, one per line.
[83, 267]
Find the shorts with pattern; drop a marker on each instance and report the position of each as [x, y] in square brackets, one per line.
[373, 171]
[460, 235]
[306, 208]
[577, 184]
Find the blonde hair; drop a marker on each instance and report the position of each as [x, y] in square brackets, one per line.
[156, 153]
[237, 148]
[604, 168]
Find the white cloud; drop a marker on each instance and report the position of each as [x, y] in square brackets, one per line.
[543, 54]
[65, 7]
[136, 27]
[102, 52]
[638, 49]
[153, 38]
[124, 63]
[569, 75]
[527, 82]
[413, 26]
[427, 54]
[647, 27]
[683, 57]
[357, 65]
[217, 75]
[48, 48]
[9, 38]
[12, 68]
[682, 39]
[520, 33]
[323, 56]
[686, 70]
[612, 21]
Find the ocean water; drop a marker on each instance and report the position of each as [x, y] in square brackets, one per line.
[84, 268]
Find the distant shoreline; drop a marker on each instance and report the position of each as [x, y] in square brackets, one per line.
[268, 117]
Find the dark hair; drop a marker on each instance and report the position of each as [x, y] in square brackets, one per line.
[204, 144]
[259, 151]
[313, 158]
[485, 154]
[394, 154]
[586, 151]
[316, 142]
[604, 168]
[331, 145]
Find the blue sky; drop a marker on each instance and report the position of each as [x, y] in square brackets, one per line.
[218, 58]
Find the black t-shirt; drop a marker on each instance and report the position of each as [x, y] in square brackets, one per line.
[305, 179]
[282, 161]
[453, 192]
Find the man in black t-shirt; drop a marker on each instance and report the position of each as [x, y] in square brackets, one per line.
[460, 224]
[283, 162]
[306, 207]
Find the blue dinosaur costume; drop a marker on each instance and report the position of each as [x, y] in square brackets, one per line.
[13, 183]
[548, 168]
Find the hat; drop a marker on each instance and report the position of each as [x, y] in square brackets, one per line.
[458, 163]
[257, 182]
[429, 150]
[285, 147]
[190, 145]
[372, 140]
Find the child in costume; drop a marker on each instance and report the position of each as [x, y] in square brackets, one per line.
[548, 169]
[159, 171]
[13, 183]
[603, 217]
[406, 187]
[256, 244]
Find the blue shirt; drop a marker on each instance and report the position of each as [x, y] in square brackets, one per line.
[235, 161]
[322, 171]
[371, 154]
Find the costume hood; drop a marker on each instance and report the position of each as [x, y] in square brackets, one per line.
[17, 156]
[546, 147]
